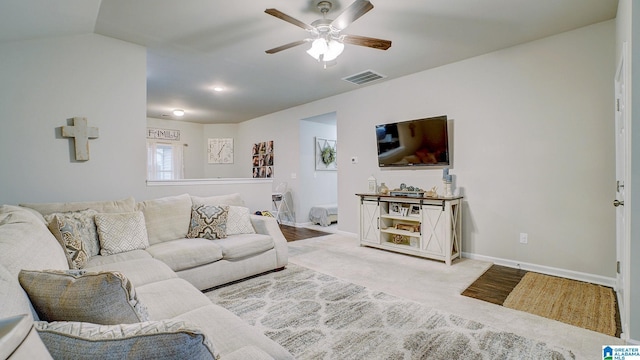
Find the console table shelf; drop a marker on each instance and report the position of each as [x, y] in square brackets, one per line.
[427, 227]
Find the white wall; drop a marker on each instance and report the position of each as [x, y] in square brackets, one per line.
[241, 155]
[315, 186]
[45, 82]
[533, 146]
[191, 135]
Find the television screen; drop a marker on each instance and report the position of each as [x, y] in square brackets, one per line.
[421, 142]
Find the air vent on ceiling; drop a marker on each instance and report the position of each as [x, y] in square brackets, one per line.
[364, 77]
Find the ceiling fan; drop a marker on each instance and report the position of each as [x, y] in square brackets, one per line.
[325, 34]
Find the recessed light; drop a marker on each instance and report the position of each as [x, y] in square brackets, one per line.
[178, 112]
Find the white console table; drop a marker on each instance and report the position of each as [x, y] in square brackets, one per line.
[428, 227]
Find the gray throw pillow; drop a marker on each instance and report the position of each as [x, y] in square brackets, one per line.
[166, 339]
[208, 222]
[78, 295]
[76, 232]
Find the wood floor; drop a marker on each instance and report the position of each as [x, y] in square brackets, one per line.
[292, 233]
[496, 283]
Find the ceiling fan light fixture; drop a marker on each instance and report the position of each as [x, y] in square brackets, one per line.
[318, 47]
[334, 49]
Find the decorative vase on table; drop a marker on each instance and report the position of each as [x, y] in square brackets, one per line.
[373, 185]
[384, 190]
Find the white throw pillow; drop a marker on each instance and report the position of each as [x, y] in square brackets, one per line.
[239, 221]
[121, 232]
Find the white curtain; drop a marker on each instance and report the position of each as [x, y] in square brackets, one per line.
[164, 161]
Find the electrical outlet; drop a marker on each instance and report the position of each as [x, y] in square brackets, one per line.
[524, 238]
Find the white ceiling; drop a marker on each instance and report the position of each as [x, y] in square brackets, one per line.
[194, 45]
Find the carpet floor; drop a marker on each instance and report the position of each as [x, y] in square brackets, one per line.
[317, 316]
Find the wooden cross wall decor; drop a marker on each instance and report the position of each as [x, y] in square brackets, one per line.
[81, 135]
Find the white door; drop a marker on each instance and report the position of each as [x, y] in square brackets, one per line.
[622, 231]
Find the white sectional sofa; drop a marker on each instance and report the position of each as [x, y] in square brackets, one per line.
[163, 276]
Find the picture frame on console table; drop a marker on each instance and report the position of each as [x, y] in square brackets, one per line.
[414, 210]
[395, 208]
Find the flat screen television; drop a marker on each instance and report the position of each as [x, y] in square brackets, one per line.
[420, 142]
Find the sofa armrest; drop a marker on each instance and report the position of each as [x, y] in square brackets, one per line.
[269, 226]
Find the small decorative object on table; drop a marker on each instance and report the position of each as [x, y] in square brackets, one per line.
[400, 239]
[408, 191]
[373, 185]
[447, 179]
[433, 192]
[384, 190]
[408, 227]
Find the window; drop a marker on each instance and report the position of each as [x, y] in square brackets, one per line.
[164, 161]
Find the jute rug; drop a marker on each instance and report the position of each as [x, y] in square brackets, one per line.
[573, 302]
[317, 316]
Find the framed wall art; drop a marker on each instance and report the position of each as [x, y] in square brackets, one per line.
[326, 154]
[220, 151]
[262, 159]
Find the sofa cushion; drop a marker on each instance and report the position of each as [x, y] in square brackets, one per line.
[167, 218]
[138, 271]
[208, 221]
[125, 205]
[19, 340]
[231, 199]
[78, 295]
[83, 224]
[166, 339]
[121, 232]
[170, 298]
[239, 221]
[183, 254]
[26, 243]
[116, 258]
[243, 245]
[13, 299]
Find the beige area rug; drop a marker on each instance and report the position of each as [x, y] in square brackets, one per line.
[573, 302]
[319, 317]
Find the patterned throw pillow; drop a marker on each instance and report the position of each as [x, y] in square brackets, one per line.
[208, 222]
[76, 232]
[239, 221]
[121, 232]
[78, 295]
[165, 339]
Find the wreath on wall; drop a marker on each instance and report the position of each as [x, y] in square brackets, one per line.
[328, 155]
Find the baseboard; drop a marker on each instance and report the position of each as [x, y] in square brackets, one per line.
[569, 274]
[632, 342]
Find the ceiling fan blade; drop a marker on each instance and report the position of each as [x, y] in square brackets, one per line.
[287, 46]
[367, 41]
[351, 14]
[282, 16]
